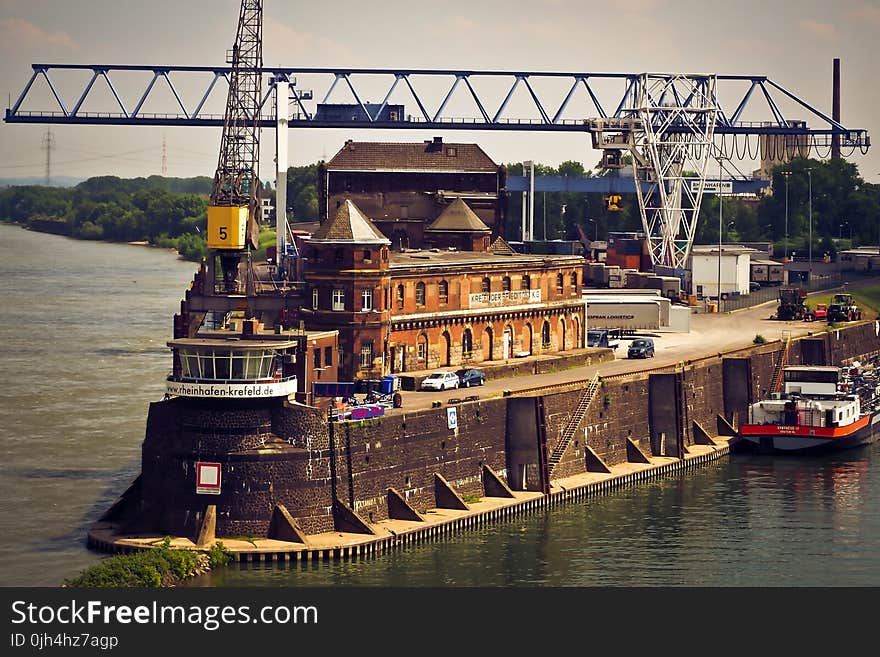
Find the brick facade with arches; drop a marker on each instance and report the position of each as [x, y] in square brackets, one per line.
[420, 309]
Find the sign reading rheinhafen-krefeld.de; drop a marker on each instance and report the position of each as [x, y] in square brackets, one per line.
[207, 478]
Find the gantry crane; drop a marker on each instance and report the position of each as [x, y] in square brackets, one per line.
[235, 194]
[671, 124]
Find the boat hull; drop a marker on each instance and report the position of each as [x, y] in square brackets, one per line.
[779, 439]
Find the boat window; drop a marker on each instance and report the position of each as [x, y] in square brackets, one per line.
[811, 376]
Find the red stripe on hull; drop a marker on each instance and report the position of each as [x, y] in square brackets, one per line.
[804, 430]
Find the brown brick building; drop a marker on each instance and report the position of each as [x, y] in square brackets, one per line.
[463, 299]
[404, 187]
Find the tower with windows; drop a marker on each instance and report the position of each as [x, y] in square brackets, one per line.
[348, 276]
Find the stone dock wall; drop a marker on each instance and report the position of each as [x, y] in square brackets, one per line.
[285, 466]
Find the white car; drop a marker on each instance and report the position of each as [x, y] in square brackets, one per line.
[440, 381]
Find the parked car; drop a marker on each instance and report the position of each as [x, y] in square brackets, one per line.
[754, 286]
[641, 348]
[440, 381]
[471, 377]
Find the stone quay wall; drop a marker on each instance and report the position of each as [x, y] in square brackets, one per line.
[274, 453]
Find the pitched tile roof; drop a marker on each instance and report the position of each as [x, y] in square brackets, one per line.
[349, 225]
[458, 216]
[417, 156]
[501, 247]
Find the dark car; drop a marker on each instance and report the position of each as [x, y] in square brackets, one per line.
[641, 348]
[471, 377]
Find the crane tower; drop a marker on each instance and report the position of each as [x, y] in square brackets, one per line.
[234, 203]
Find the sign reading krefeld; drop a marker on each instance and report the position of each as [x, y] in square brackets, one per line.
[207, 478]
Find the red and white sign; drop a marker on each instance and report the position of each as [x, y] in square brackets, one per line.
[207, 478]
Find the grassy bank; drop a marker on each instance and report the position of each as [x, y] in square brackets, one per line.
[867, 298]
[162, 566]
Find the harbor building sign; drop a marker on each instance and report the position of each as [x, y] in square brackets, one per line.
[231, 390]
[507, 298]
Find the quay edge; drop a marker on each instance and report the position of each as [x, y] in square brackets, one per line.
[299, 488]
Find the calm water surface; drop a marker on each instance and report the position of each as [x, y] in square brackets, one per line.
[83, 352]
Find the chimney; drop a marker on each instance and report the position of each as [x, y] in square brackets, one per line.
[436, 145]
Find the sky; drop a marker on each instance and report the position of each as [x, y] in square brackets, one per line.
[792, 43]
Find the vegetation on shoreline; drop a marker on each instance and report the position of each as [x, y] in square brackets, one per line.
[172, 212]
[162, 566]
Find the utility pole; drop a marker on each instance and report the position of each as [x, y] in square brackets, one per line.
[810, 221]
[48, 145]
[786, 174]
[164, 157]
[720, 224]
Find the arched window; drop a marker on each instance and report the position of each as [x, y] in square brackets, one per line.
[467, 343]
[526, 282]
[560, 283]
[545, 335]
[574, 281]
[420, 294]
[485, 284]
[422, 348]
[443, 292]
[505, 284]
[315, 299]
[400, 296]
[366, 354]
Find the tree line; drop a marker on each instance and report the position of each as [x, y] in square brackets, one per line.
[844, 208]
[172, 212]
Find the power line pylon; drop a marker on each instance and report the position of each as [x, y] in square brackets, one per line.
[48, 145]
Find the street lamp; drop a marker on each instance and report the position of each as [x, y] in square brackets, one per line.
[810, 221]
[721, 159]
[786, 174]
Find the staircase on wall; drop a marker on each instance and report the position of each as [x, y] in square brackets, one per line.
[781, 362]
[574, 421]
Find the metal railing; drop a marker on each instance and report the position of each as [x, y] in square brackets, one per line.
[771, 293]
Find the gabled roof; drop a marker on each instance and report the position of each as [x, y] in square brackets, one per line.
[349, 225]
[457, 216]
[418, 156]
[501, 247]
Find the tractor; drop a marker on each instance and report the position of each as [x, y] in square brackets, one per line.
[843, 308]
[791, 304]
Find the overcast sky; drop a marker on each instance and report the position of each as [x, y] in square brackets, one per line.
[793, 43]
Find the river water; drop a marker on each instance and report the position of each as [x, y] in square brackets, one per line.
[83, 354]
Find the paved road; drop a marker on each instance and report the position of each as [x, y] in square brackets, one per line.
[710, 334]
